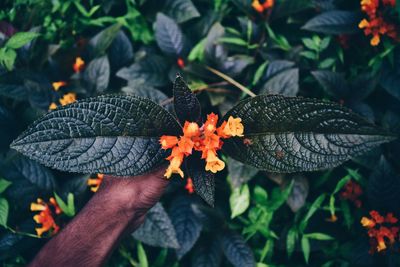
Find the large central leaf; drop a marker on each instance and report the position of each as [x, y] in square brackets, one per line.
[107, 134]
[288, 134]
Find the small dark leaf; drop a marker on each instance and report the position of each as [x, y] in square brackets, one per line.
[289, 134]
[239, 173]
[157, 229]
[107, 134]
[153, 69]
[186, 224]
[333, 83]
[187, 106]
[236, 250]
[102, 41]
[286, 8]
[390, 81]
[215, 52]
[383, 188]
[121, 51]
[168, 35]
[181, 10]
[97, 74]
[235, 65]
[299, 193]
[207, 255]
[203, 181]
[363, 86]
[334, 22]
[277, 66]
[284, 83]
[8, 128]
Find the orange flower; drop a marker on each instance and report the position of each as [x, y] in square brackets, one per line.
[79, 65]
[205, 139]
[57, 85]
[181, 63]
[68, 99]
[380, 230]
[94, 183]
[332, 219]
[46, 216]
[261, 5]
[52, 106]
[189, 185]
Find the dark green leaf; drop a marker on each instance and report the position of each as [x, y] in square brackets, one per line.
[168, 35]
[4, 184]
[299, 193]
[334, 22]
[285, 83]
[121, 51]
[186, 224]
[207, 255]
[181, 10]
[285, 8]
[157, 229]
[236, 250]
[277, 66]
[299, 134]
[318, 236]
[108, 134]
[20, 39]
[214, 51]
[203, 181]
[239, 173]
[313, 208]
[333, 83]
[187, 106]
[3, 212]
[153, 69]
[97, 74]
[383, 187]
[389, 81]
[102, 41]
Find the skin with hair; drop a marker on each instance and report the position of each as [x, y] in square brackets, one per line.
[118, 208]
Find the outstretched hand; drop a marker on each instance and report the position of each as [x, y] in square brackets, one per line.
[119, 207]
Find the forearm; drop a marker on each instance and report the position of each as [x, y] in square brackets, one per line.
[116, 209]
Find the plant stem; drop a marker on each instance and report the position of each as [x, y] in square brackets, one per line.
[231, 81]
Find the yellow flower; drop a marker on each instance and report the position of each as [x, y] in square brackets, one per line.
[368, 223]
[175, 166]
[94, 183]
[52, 106]
[363, 24]
[375, 40]
[79, 65]
[234, 127]
[57, 85]
[68, 99]
[214, 164]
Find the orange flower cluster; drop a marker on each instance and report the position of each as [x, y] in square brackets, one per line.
[79, 65]
[58, 85]
[94, 183]
[46, 216]
[375, 25]
[189, 185]
[261, 5]
[65, 100]
[352, 191]
[380, 230]
[206, 139]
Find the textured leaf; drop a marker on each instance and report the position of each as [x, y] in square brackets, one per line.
[187, 106]
[288, 134]
[334, 22]
[239, 173]
[97, 73]
[333, 83]
[108, 134]
[285, 83]
[383, 189]
[186, 224]
[121, 51]
[236, 250]
[152, 69]
[157, 229]
[207, 255]
[203, 181]
[102, 41]
[181, 10]
[277, 66]
[168, 35]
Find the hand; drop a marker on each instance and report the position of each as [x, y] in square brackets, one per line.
[119, 207]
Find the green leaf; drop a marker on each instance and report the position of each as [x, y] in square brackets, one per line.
[326, 63]
[197, 52]
[291, 241]
[318, 236]
[7, 57]
[279, 196]
[157, 229]
[107, 134]
[239, 200]
[313, 208]
[305, 246]
[310, 44]
[309, 54]
[289, 134]
[102, 41]
[3, 212]
[4, 184]
[142, 255]
[236, 250]
[20, 39]
[284, 83]
[233, 40]
[181, 10]
[334, 22]
[259, 72]
[69, 207]
[260, 195]
[168, 35]
[186, 105]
